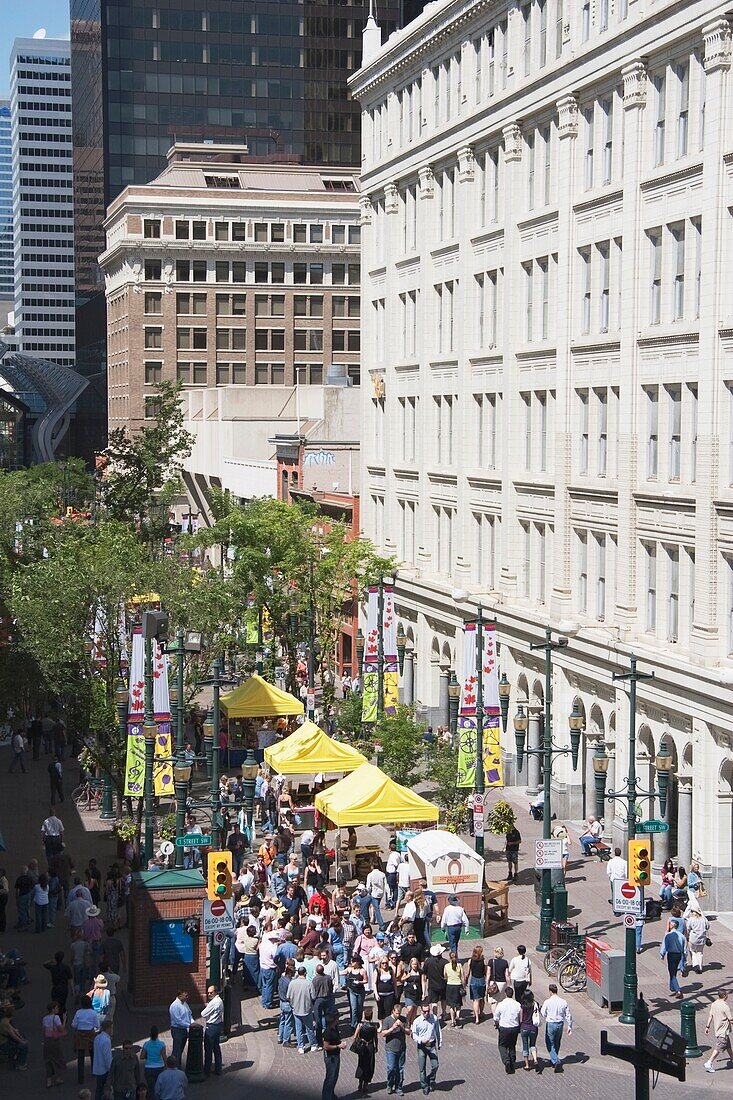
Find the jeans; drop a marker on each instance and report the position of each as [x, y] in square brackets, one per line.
[41, 918]
[18, 758]
[179, 1038]
[268, 978]
[529, 1042]
[332, 1062]
[508, 1047]
[395, 1069]
[100, 1081]
[151, 1076]
[674, 958]
[553, 1038]
[53, 904]
[24, 911]
[356, 1006]
[212, 1048]
[286, 1026]
[321, 1005]
[585, 843]
[392, 890]
[427, 1076]
[453, 932]
[377, 911]
[665, 894]
[304, 1033]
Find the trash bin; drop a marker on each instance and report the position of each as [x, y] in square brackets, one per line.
[195, 1053]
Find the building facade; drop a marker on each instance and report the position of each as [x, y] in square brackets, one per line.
[547, 330]
[150, 73]
[43, 213]
[221, 273]
[7, 278]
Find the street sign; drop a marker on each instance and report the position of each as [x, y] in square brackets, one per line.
[194, 840]
[630, 920]
[478, 813]
[652, 826]
[310, 701]
[627, 898]
[218, 916]
[219, 938]
[548, 855]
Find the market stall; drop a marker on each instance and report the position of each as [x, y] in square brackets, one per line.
[450, 866]
[310, 751]
[253, 711]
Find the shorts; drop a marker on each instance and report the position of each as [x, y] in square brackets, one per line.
[477, 988]
[408, 1002]
[722, 1044]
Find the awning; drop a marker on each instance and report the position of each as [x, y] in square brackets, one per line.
[309, 750]
[257, 699]
[369, 797]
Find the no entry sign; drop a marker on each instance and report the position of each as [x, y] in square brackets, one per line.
[627, 898]
[218, 916]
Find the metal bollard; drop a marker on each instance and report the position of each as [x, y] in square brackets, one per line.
[195, 1055]
[560, 902]
[688, 1030]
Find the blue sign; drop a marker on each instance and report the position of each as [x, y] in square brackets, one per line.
[169, 943]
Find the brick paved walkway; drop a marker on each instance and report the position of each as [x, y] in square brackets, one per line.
[257, 1067]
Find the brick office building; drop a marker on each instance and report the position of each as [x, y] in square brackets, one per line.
[223, 273]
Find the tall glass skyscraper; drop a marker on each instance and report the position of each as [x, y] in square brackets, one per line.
[6, 204]
[146, 73]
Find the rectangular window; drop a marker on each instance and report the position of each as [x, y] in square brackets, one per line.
[477, 54]
[444, 417]
[655, 304]
[152, 270]
[585, 289]
[547, 168]
[652, 431]
[338, 234]
[151, 228]
[527, 19]
[529, 299]
[697, 236]
[198, 231]
[690, 590]
[650, 551]
[673, 593]
[221, 271]
[600, 541]
[527, 402]
[682, 72]
[153, 338]
[674, 395]
[153, 373]
[584, 431]
[544, 274]
[582, 572]
[542, 5]
[300, 234]
[607, 113]
[604, 257]
[701, 100]
[530, 142]
[558, 27]
[692, 402]
[527, 556]
[261, 236]
[660, 112]
[542, 407]
[198, 271]
[588, 120]
[316, 234]
[221, 231]
[153, 303]
[602, 413]
[182, 231]
[678, 243]
[541, 535]
[585, 21]
[239, 231]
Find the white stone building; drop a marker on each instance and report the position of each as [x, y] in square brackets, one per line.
[43, 198]
[547, 194]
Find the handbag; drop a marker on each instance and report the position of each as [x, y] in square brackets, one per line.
[708, 941]
[701, 891]
[357, 1045]
[492, 989]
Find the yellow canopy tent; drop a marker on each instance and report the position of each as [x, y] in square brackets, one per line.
[309, 750]
[257, 699]
[369, 797]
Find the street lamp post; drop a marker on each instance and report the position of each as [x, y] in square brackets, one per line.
[630, 796]
[547, 751]
[454, 699]
[479, 784]
[250, 769]
[504, 693]
[150, 731]
[181, 778]
[380, 648]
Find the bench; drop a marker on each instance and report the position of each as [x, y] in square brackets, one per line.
[601, 849]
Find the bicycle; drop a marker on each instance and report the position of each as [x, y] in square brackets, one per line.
[88, 796]
[558, 956]
[572, 976]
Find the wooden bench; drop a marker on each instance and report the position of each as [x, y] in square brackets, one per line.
[601, 849]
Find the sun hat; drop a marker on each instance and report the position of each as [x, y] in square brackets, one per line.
[93, 911]
[436, 949]
[101, 980]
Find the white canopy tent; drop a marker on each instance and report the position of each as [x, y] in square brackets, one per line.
[446, 862]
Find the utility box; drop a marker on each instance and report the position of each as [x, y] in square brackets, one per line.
[605, 970]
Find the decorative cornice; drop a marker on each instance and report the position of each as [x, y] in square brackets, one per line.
[663, 179]
[466, 164]
[512, 138]
[391, 199]
[567, 116]
[426, 182]
[613, 344]
[366, 210]
[717, 39]
[634, 82]
[674, 338]
[598, 201]
[545, 217]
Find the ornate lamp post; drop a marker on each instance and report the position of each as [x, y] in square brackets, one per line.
[401, 647]
[547, 752]
[630, 795]
[181, 778]
[504, 693]
[360, 655]
[250, 769]
[600, 763]
[454, 698]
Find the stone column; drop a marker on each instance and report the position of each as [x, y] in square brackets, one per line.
[444, 698]
[534, 740]
[684, 820]
[408, 678]
[660, 841]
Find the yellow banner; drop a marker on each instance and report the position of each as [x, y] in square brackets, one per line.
[391, 692]
[162, 764]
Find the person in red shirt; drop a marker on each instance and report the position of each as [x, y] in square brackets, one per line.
[319, 901]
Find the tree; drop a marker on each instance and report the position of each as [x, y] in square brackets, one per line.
[401, 739]
[141, 477]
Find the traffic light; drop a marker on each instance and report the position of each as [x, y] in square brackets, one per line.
[219, 884]
[640, 862]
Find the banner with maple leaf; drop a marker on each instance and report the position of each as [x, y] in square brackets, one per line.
[135, 762]
[370, 679]
[467, 732]
[370, 671]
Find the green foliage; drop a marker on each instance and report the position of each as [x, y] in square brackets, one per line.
[501, 818]
[167, 827]
[442, 770]
[142, 475]
[126, 828]
[401, 743]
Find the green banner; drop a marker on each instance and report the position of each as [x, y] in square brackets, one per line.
[369, 698]
[493, 771]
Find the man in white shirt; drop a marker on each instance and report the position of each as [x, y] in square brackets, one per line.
[428, 1039]
[306, 846]
[180, 1021]
[376, 884]
[617, 869]
[556, 1013]
[453, 921]
[393, 863]
[403, 878]
[507, 1017]
[593, 832]
[101, 1057]
[213, 1016]
[52, 832]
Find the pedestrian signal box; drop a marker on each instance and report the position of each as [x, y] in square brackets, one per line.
[640, 862]
[219, 881]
